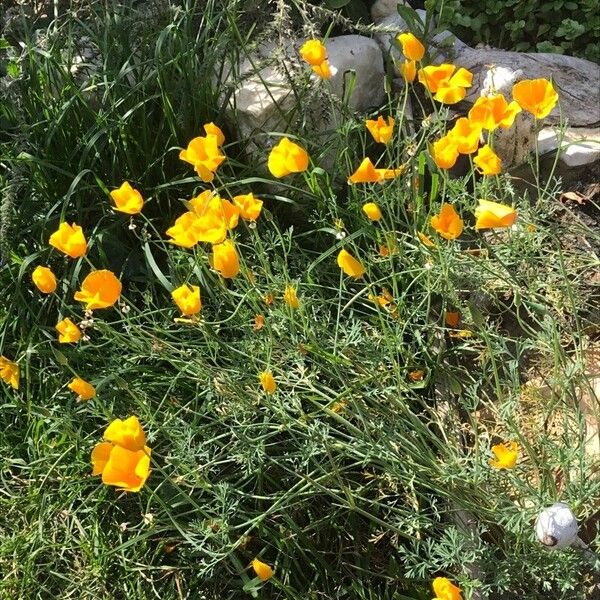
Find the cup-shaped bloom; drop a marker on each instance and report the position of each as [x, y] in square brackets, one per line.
[127, 199]
[212, 129]
[536, 96]
[100, 289]
[465, 134]
[411, 46]
[350, 265]
[408, 70]
[372, 211]
[10, 372]
[492, 215]
[44, 279]
[368, 173]
[126, 433]
[313, 52]
[83, 389]
[126, 469]
[184, 232]
[187, 298]
[249, 206]
[506, 455]
[447, 222]
[286, 158]
[225, 259]
[69, 239]
[490, 112]
[68, 332]
[445, 152]
[263, 571]
[215, 217]
[381, 130]
[444, 589]
[445, 82]
[267, 382]
[487, 161]
[204, 153]
[290, 296]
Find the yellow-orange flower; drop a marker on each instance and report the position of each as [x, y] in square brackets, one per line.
[417, 375]
[212, 129]
[408, 70]
[368, 173]
[259, 322]
[10, 372]
[263, 571]
[290, 297]
[491, 215]
[286, 158]
[68, 332]
[225, 259]
[215, 217]
[204, 154]
[411, 46]
[452, 318]
[536, 96]
[187, 298]
[69, 239]
[381, 130]
[267, 381]
[490, 112]
[506, 455]
[124, 459]
[184, 232]
[100, 289]
[83, 389]
[444, 589]
[447, 222]
[488, 161]
[127, 199]
[350, 265]
[445, 82]
[313, 52]
[465, 135]
[445, 152]
[372, 211]
[127, 434]
[44, 279]
[249, 206]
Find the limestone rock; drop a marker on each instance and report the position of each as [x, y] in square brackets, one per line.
[260, 97]
[577, 80]
[384, 8]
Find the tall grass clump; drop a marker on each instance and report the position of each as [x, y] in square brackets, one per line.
[295, 393]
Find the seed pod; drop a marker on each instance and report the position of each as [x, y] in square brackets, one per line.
[556, 526]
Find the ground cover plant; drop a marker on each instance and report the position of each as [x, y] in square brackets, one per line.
[327, 367]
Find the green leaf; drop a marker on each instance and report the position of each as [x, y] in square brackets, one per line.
[411, 17]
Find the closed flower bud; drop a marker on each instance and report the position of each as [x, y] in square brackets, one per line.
[44, 279]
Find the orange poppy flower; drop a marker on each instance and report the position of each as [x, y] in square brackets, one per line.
[100, 289]
[447, 222]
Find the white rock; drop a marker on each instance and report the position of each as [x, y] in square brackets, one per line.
[262, 99]
[556, 526]
[362, 56]
[580, 145]
[576, 80]
[580, 154]
[384, 8]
